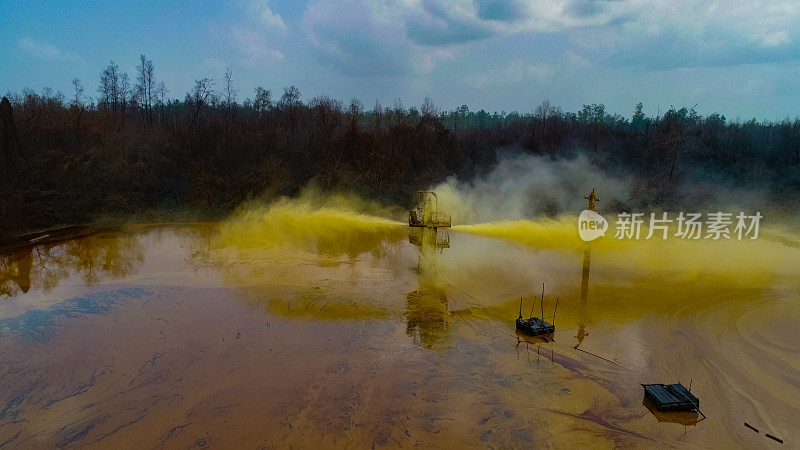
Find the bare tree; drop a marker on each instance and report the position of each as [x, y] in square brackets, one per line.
[77, 105]
[125, 91]
[78, 99]
[162, 94]
[263, 100]
[145, 85]
[428, 110]
[355, 110]
[230, 92]
[109, 87]
[377, 118]
[290, 98]
[398, 112]
[458, 115]
[201, 94]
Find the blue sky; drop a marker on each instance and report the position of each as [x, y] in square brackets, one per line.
[740, 58]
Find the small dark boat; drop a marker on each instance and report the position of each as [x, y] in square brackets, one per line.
[671, 397]
[534, 326]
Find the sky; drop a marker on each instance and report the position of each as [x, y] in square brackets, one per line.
[740, 58]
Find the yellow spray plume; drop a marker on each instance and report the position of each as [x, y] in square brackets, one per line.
[543, 233]
[329, 224]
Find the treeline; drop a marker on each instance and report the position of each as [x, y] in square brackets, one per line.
[132, 149]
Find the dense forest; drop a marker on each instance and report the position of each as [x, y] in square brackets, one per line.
[133, 150]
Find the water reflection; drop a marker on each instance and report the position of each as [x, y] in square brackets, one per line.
[685, 418]
[42, 267]
[304, 265]
[583, 319]
[15, 271]
[536, 340]
[427, 315]
[533, 346]
[324, 320]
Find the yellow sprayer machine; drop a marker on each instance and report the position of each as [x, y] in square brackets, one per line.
[426, 214]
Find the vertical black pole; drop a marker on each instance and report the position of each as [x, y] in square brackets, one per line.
[554, 312]
[541, 304]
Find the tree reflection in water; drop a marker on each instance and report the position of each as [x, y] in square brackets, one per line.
[92, 258]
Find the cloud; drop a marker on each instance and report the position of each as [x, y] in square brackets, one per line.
[518, 70]
[381, 37]
[368, 38]
[575, 61]
[453, 22]
[504, 11]
[45, 51]
[442, 24]
[774, 39]
[272, 21]
[666, 35]
[460, 21]
[513, 73]
[541, 71]
[254, 48]
[254, 37]
[216, 64]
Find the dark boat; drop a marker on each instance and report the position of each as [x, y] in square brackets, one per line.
[671, 397]
[534, 326]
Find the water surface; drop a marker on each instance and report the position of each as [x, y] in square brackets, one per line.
[355, 333]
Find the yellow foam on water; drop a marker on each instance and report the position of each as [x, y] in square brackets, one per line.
[725, 257]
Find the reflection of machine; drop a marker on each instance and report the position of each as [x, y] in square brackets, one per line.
[427, 316]
[587, 262]
[426, 213]
[582, 318]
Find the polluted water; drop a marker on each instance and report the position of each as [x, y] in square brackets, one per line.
[326, 320]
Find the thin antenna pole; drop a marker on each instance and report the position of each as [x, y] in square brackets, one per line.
[554, 311]
[541, 303]
[520, 307]
[533, 304]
